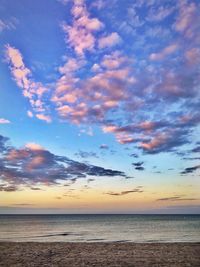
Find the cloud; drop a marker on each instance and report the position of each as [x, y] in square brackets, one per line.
[8, 24]
[99, 4]
[114, 60]
[80, 35]
[186, 19]
[35, 188]
[3, 145]
[104, 146]
[8, 188]
[33, 146]
[23, 204]
[134, 155]
[23, 77]
[30, 114]
[196, 149]
[160, 13]
[188, 207]
[190, 170]
[73, 96]
[158, 136]
[138, 165]
[193, 56]
[166, 141]
[64, 2]
[109, 40]
[4, 121]
[194, 158]
[3, 26]
[122, 193]
[43, 117]
[85, 154]
[140, 168]
[33, 165]
[176, 198]
[165, 52]
[124, 92]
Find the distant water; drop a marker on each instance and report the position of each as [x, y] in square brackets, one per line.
[100, 228]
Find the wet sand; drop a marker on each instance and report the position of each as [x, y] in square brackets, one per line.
[99, 254]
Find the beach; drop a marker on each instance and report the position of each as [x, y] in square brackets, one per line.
[113, 254]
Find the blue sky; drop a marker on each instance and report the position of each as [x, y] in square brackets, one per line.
[110, 86]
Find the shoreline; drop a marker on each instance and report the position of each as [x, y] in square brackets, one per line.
[105, 254]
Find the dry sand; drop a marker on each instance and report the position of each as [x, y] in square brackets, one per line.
[99, 254]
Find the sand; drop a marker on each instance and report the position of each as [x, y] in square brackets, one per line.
[99, 254]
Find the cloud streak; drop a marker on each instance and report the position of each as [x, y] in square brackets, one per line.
[122, 193]
[176, 198]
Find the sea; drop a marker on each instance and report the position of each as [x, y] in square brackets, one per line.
[100, 228]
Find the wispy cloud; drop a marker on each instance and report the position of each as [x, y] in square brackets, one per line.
[176, 198]
[86, 154]
[122, 193]
[8, 24]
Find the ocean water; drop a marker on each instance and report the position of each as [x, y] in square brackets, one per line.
[100, 228]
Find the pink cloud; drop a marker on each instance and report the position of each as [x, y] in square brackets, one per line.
[114, 60]
[36, 162]
[15, 154]
[164, 141]
[15, 57]
[185, 17]
[43, 117]
[90, 99]
[193, 56]
[80, 35]
[149, 146]
[110, 40]
[23, 76]
[4, 121]
[91, 24]
[125, 138]
[79, 39]
[147, 125]
[165, 52]
[109, 128]
[34, 146]
[66, 91]
[30, 114]
[124, 135]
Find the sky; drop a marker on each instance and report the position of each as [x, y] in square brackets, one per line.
[100, 106]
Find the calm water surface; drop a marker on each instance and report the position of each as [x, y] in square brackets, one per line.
[100, 228]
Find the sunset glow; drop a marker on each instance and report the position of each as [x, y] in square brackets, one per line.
[100, 106]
